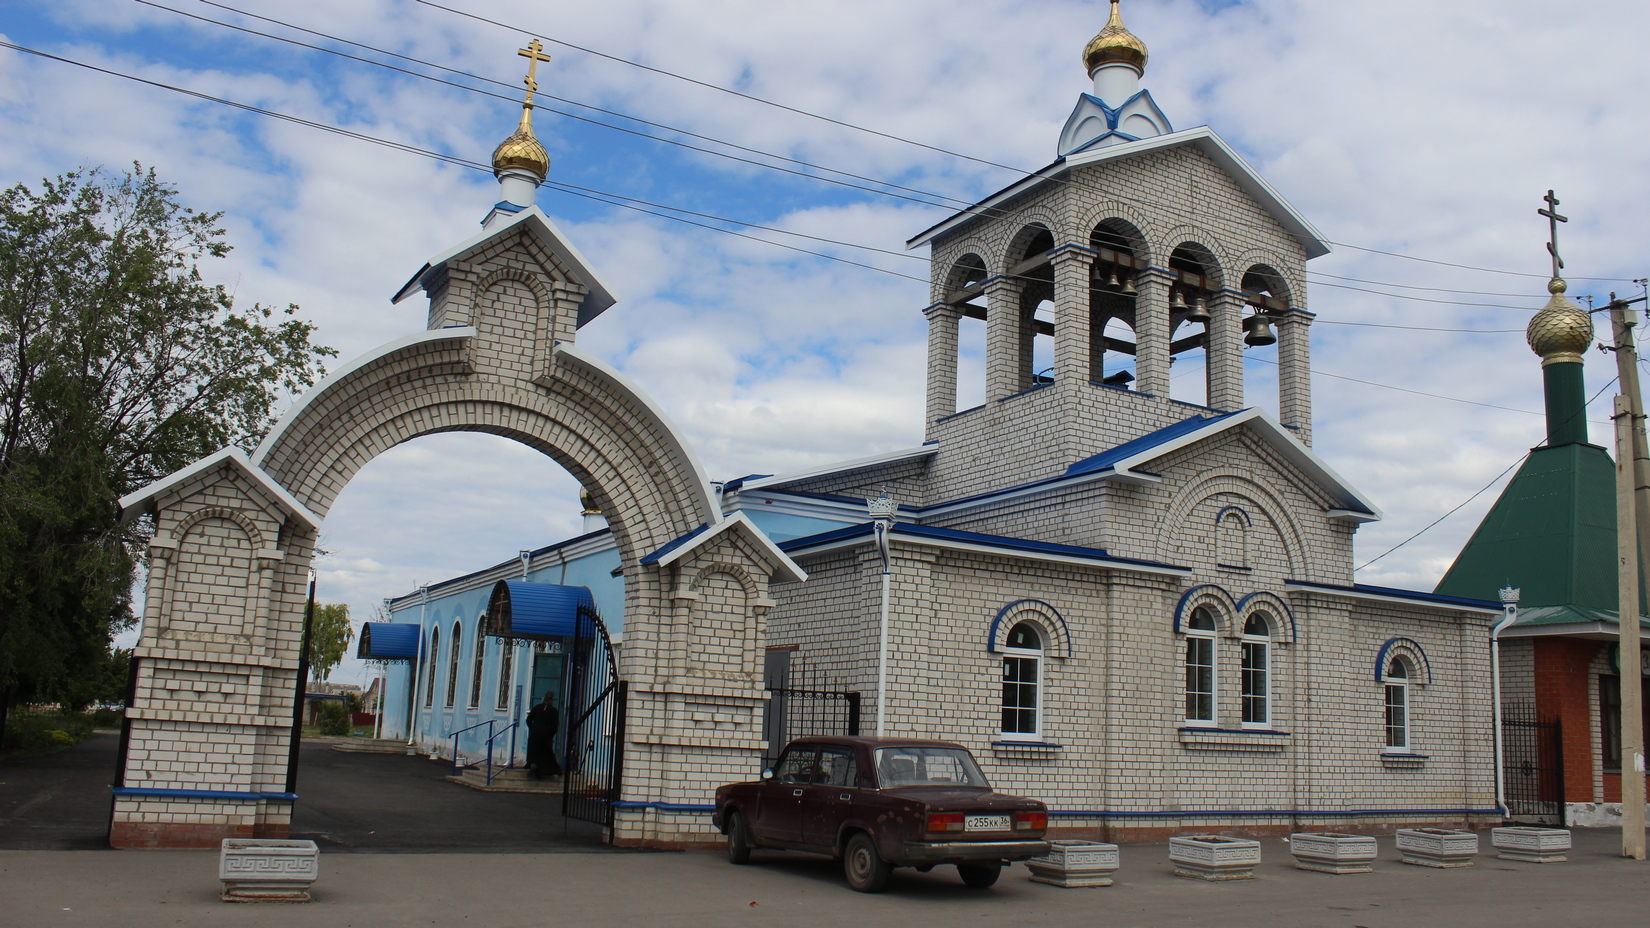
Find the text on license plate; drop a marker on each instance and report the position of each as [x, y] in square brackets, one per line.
[986, 823]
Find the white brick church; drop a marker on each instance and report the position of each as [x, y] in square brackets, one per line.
[1135, 606]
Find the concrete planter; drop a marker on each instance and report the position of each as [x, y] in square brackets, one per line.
[1332, 852]
[1074, 864]
[1443, 848]
[267, 869]
[1534, 845]
[1215, 858]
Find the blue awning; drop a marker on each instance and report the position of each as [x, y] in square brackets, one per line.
[536, 611]
[395, 642]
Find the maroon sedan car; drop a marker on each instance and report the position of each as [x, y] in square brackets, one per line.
[881, 803]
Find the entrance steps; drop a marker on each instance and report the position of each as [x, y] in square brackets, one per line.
[512, 780]
[372, 746]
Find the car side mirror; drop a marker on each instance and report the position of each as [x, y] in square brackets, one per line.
[767, 774]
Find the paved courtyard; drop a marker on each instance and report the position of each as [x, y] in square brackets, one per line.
[142, 888]
[402, 847]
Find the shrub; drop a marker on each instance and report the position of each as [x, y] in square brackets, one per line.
[108, 718]
[334, 718]
[33, 731]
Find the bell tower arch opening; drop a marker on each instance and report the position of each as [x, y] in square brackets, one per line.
[1120, 254]
[1195, 282]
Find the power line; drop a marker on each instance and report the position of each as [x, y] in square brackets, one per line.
[1387, 283]
[907, 141]
[1416, 328]
[574, 116]
[1522, 458]
[1466, 267]
[600, 196]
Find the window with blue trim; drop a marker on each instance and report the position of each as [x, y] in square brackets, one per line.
[452, 663]
[1022, 685]
[1396, 686]
[1257, 671]
[1200, 667]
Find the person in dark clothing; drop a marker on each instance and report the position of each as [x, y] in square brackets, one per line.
[542, 725]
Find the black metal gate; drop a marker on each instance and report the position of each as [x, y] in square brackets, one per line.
[1533, 766]
[801, 704]
[593, 762]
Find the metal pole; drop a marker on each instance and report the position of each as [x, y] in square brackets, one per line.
[1633, 538]
[302, 687]
[1509, 606]
[882, 512]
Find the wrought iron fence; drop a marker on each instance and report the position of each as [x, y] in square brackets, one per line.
[1533, 765]
[593, 761]
[801, 703]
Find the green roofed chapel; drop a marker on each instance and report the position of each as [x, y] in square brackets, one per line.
[1116, 569]
[1552, 535]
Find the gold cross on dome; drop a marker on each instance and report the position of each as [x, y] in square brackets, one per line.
[534, 53]
[1553, 219]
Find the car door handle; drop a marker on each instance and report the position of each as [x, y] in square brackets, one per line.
[845, 797]
[796, 792]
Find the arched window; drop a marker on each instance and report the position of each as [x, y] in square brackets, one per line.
[452, 663]
[1232, 540]
[434, 658]
[1396, 684]
[506, 672]
[1257, 677]
[1022, 690]
[477, 667]
[1200, 667]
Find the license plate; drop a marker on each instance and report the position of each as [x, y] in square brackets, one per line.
[986, 823]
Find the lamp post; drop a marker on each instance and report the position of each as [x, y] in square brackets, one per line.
[882, 511]
[1509, 606]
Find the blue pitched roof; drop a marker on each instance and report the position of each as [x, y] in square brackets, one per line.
[950, 534]
[674, 544]
[1401, 594]
[1109, 458]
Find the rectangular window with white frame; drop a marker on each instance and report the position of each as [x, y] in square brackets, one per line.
[1396, 690]
[1022, 685]
[1200, 669]
[1257, 672]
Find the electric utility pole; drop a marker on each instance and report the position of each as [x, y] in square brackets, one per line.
[1633, 538]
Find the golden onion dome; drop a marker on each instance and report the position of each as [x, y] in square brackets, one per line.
[1115, 43]
[1561, 330]
[522, 150]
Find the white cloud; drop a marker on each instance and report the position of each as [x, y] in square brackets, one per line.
[1421, 128]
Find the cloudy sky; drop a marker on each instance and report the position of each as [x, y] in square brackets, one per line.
[1420, 128]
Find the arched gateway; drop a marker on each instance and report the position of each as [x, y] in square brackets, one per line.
[209, 743]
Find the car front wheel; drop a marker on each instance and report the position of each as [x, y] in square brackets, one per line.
[980, 876]
[739, 847]
[865, 869]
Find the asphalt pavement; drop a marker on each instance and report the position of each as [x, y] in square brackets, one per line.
[152, 888]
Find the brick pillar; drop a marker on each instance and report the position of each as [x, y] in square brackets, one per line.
[1151, 333]
[1295, 373]
[942, 361]
[1564, 688]
[1225, 350]
[1073, 342]
[1005, 360]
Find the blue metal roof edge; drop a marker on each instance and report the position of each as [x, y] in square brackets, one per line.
[1106, 459]
[951, 534]
[1405, 594]
[738, 482]
[432, 588]
[674, 544]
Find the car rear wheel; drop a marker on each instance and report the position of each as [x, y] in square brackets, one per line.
[980, 876]
[739, 846]
[865, 869]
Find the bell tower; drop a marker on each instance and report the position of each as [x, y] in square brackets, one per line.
[1122, 288]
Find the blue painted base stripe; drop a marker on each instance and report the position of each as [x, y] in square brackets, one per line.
[198, 793]
[1262, 813]
[663, 806]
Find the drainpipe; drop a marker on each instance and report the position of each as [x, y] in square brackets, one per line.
[1509, 605]
[882, 512]
[418, 666]
[383, 688]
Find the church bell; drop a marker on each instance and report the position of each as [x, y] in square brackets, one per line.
[1199, 311]
[1258, 331]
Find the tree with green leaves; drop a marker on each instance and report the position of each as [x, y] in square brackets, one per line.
[119, 364]
[329, 637]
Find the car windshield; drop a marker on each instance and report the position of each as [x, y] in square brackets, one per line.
[922, 766]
